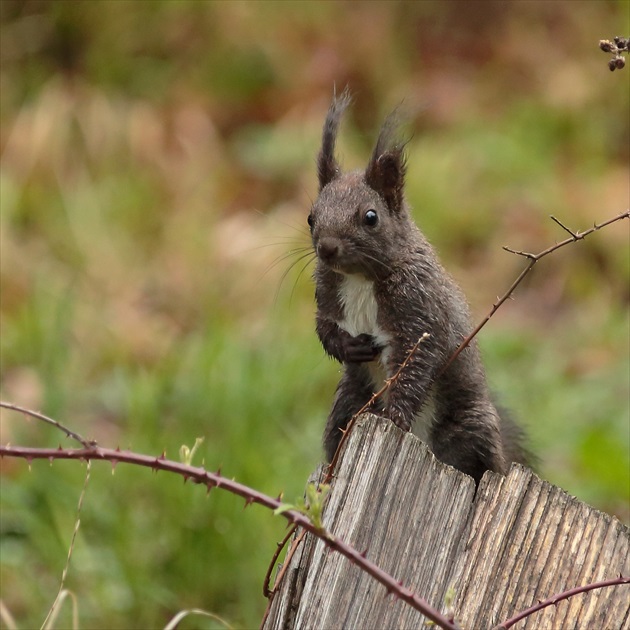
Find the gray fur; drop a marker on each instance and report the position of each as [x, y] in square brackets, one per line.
[398, 274]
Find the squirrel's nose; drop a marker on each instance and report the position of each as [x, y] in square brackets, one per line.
[328, 249]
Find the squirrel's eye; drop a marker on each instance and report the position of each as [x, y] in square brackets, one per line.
[370, 218]
[310, 221]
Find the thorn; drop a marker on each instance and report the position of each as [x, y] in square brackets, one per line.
[118, 449]
[163, 455]
[248, 502]
[186, 477]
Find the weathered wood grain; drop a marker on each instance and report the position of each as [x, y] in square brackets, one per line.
[517, 541]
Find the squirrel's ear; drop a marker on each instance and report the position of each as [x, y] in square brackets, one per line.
[386, 171]
[386, 175]
[327, 166]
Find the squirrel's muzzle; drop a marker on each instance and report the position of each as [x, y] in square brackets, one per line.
[329, 250]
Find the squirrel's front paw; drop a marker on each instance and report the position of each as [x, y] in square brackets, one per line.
[399, 420]
[360, 349]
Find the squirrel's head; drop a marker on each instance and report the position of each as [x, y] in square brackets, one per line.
[359, 218]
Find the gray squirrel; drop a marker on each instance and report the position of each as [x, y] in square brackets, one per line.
[379, 286]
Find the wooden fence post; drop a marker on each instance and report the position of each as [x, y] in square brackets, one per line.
[516, 541]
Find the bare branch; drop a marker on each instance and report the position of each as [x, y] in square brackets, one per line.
[211, 480]
[533, 259]
[574, 236]
[267, 592]
[519, 253]
[552, 601]
[41, 416]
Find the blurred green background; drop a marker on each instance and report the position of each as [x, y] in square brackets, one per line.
[157, 168]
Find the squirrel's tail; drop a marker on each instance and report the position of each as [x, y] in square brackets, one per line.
[514, 441]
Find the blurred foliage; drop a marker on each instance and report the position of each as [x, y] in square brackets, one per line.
[157, 168]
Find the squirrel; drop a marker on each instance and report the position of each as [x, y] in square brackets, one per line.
[379, 287]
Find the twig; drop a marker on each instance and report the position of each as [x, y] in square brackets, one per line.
[533, 259]
[574, 236]
[552, 601]
[285, 566]
[388, 383]
[271, 593]
[41, 416]
[212, 480]
[394, 378]
[267, 592]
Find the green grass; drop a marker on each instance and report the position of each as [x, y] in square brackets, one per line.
[148, 193]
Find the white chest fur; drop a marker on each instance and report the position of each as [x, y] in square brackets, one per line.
[360, 311]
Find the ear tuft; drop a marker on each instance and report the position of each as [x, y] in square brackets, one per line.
[385, 172]
[327, 166]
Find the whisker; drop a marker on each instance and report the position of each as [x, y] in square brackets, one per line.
[289, 254]
[309, 254]
[373, 258]
[300, 229]
[286, 240]
[298, 249]
[308, 262]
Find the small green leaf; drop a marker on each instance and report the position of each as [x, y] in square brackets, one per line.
[186, 454]
[285, 507]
